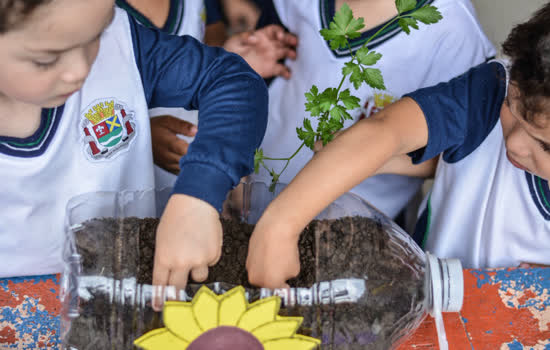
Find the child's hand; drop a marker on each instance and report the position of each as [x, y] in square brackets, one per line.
[189, 240]
[273, 257]
[264, 48]
[168, 148]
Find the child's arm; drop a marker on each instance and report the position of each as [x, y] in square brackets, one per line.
[350, 158]
[232, 103]
[457, 116]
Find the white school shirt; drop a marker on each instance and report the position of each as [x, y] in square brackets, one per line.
[98, 141]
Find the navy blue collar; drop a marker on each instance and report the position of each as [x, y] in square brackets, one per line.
[36, 144]
[327, 11]
[173, 22]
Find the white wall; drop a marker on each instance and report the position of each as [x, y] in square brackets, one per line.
[498, 17]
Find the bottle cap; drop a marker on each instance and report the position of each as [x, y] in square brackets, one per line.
[453, 285]
[447, 287]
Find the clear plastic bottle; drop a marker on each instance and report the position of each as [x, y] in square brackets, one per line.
[365, 283]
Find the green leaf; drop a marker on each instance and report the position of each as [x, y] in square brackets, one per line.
[325, 105]
[326, 138]
[258, 157]
[356, 24]
[312, 94]
[343, 17]
[337, 112]
[342, 28]
[405, 5]
[313, 101]
[327, 98]
[347, 116]
[351, 102]
[350, 68]
[407, 22]
[335, 125]
[373, 77]
[307, 125]
[307, 135]
[356, 77]
[313, 108]
[427, 14]
[335, 37]
[366, 57]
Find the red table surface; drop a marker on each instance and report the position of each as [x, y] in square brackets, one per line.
[504, 309]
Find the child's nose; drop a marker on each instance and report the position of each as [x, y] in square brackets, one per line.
[78, 68]
[518, 141]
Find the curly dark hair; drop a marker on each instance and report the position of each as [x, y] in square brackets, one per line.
[528, 47]
[13, 12]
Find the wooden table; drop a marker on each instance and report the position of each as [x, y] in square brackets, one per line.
[504, 309]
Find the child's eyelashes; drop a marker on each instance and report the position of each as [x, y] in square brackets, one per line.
[545, 147]
[45, 64]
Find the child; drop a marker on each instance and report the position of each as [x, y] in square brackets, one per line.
[76, 80]
[172, 129]
[490, 129]
[427, 56]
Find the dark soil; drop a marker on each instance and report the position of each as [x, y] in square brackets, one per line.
[348, 248]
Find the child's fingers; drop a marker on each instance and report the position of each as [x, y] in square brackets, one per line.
[285, 52]
[250, 38]
[200, 273]
[178, 278]
[180, 126]
[167, 159]
[160, 280]
[282, 71]
[178, 147]
[290, 39]
[291, 54]
[283, 36]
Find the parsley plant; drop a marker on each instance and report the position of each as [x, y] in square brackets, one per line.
[331, 106]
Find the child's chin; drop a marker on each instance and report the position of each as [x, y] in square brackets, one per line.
[55, 102]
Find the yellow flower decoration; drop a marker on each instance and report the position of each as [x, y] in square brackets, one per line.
[226, 321]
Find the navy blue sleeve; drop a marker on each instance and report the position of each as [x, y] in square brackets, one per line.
[461, 113]
[213, 11]
[179, 71]
[268, 15]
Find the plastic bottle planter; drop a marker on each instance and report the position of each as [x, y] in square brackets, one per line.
[364, 283]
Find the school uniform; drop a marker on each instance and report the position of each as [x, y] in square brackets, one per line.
[100, 140]
[481, 209]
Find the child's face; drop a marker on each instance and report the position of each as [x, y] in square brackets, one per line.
[47, 58]
[527, 145]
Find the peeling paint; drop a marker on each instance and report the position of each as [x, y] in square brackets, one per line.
[29, 313]
[506, 309]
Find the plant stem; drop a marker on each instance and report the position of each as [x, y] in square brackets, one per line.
[287, 159]
[382, 29]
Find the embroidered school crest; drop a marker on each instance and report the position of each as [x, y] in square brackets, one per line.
[375, 104]
[108, 127]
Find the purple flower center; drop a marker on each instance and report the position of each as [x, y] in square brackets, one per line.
[226, 338]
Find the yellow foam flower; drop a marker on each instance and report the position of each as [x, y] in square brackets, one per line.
[190, 324]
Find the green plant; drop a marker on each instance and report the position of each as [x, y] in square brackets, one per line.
[331, 106]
